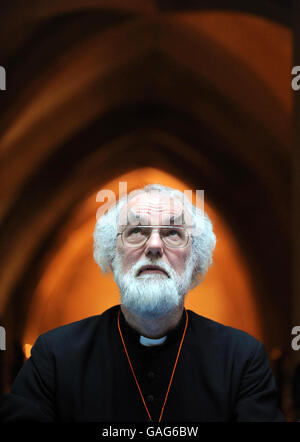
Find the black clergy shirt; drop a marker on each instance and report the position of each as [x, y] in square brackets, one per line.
[79, 373]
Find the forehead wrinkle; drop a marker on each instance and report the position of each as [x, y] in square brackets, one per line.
[153, 207]
[149, 211]
[168, 210]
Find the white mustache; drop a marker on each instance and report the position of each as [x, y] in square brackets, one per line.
[135, 270]
[152, 296]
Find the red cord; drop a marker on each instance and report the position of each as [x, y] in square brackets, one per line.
[136, 381]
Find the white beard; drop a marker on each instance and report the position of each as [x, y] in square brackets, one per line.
[152, 295]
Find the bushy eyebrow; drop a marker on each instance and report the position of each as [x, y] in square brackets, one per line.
[180, 218]
[173, 220]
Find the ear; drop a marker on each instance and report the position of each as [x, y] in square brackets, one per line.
[197, 278]
[195, 282]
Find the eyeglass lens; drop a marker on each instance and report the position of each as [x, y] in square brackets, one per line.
[171, 236]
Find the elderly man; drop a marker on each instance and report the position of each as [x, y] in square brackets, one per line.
[147, 359]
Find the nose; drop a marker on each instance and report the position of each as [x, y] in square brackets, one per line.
[154, 245]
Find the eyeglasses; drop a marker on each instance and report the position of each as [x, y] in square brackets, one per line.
[171, 236]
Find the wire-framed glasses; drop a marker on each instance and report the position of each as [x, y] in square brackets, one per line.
[137, 236]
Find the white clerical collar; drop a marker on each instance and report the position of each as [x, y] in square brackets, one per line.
[148, 342]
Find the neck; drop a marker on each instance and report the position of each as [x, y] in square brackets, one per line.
[153, 327]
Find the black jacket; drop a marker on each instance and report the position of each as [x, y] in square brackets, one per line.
[79, 372]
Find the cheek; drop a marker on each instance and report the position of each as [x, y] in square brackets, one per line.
[128, 257]
[178, 260]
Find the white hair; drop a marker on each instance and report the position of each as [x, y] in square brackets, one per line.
[106, 229]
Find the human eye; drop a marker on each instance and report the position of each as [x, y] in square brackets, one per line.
[174, 237]
[134, 235]
[172, 232]
[134, 231]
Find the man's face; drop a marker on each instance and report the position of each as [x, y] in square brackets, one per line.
[151, 211]
[153, 278]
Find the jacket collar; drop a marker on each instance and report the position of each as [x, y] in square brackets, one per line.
[173, 335]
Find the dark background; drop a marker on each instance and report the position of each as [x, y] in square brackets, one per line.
[207, 86]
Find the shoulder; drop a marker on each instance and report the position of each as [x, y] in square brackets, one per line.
[219, 336]
[77, 334]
